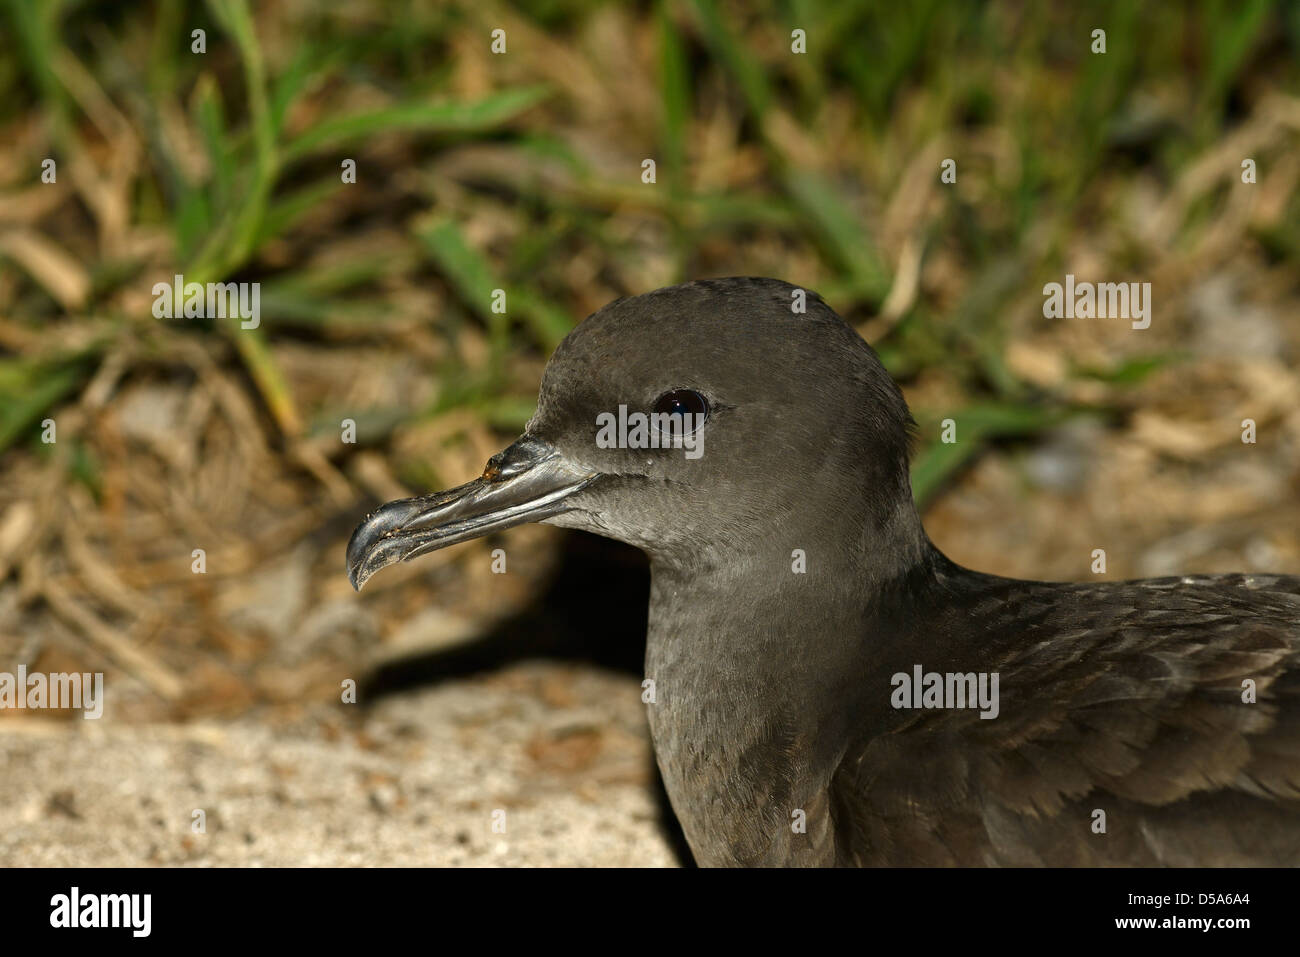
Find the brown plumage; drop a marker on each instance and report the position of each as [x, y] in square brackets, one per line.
[1125, 698]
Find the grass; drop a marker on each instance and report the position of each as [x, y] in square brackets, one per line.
[232, 157]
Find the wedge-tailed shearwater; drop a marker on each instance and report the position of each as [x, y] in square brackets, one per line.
[828, 687]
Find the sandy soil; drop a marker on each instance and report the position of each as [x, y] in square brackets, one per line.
[413, 781]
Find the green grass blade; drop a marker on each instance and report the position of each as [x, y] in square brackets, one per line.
[452, 117]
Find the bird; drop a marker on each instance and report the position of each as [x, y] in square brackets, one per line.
[804, 632]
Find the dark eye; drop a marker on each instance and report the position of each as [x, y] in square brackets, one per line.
[683, 402]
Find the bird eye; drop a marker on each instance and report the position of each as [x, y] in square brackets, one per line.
[683, 402]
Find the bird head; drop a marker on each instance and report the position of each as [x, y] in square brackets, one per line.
[698, 418]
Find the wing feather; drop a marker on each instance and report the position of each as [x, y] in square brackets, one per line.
[1136, 709]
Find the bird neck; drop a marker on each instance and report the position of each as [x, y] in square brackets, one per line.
[758, 663]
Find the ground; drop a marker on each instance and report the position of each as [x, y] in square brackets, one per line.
[412, 782]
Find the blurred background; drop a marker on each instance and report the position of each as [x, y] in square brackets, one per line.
[522, 170]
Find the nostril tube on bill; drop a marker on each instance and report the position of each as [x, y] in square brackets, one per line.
[523, 455]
